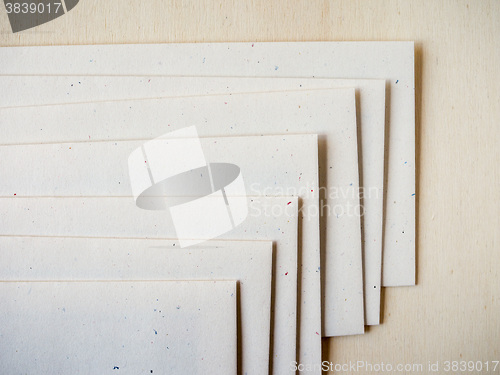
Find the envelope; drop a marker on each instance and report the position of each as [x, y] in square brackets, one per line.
[392, 61]
[46, 90]
[105, 259]
[165, 327]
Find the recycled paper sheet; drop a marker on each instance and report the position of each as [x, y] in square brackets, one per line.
[283, 162]
[392, 61]
[249, 262]
[164, 327]
[269, 218]
[45, 90]
[297, 112]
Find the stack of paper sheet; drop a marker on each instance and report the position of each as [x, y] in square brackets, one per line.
[117, 174]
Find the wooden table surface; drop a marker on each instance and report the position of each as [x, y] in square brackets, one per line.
[454, 311]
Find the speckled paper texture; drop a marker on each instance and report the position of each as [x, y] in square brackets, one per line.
[248, 262]
[33, 90]
[331, 113]
[270, 218]
[162, 327]
[392, 61]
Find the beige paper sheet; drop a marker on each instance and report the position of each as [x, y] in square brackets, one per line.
[161, 327]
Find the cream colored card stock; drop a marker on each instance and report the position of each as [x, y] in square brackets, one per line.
[46, 90]
[392, 61]
[164, 327]
[269, 218]
[331, 113]
[280, 161]
[249, 262]
[234, 112]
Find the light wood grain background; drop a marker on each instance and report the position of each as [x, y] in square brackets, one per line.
[454, 312]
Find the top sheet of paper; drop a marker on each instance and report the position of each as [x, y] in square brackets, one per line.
[164, 327]
[393, 61]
